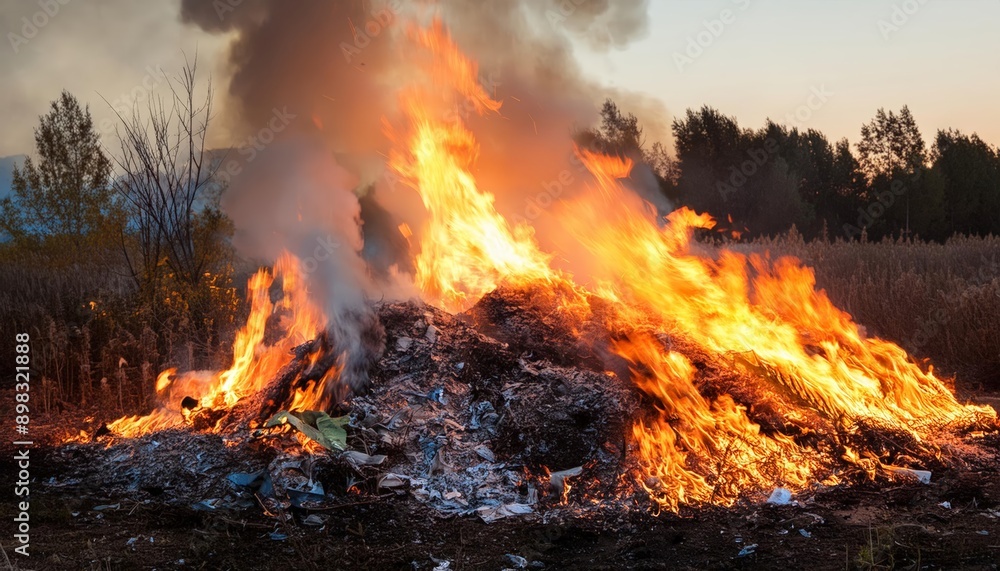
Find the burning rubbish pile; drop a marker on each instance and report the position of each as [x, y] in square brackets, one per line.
[666, 375]
[493, 426]
[454, 418]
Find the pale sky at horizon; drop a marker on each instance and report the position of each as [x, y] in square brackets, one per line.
[943, 62]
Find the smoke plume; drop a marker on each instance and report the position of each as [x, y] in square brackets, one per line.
[338, 66]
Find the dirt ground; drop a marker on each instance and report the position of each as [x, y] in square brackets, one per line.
[858, 527]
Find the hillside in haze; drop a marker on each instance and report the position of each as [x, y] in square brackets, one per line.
[7, 165]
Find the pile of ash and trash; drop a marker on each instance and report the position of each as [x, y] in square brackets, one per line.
[516, 423]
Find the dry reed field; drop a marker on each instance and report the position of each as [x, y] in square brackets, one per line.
[941, 302]
[938, 301]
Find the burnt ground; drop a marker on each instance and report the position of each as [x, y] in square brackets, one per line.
[515, 405]
[897, 528]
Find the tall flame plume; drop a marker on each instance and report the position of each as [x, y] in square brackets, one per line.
[764, 316]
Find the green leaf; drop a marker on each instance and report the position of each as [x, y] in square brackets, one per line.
[317, 425]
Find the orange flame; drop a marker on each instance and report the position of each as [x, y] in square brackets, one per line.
[786, 332]
[255, 362]
[767, 317]
[467, 247]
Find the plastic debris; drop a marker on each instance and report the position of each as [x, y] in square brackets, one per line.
[362, 459]
[307, 492]
[437, 395]
[259, 481]
[404, 344]
[922, 476]
[945, 505]
[490, 514]
[315, 520]
[780, 497]
[805, 533]
[246, 480]
[391, 481]
[485, 453]
[207, 505]
[438, 464]
[558, 479]
[102, 508]
[431, 334]
[518, 561]
[483, 416]
[747, 550]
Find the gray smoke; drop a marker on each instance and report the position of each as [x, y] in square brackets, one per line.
[340, 64]
[296, 197]
[337, 68]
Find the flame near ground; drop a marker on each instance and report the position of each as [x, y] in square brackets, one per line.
[764, 316]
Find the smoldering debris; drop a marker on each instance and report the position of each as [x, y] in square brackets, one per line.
[454, 420]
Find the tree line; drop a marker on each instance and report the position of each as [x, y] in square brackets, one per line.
[770, 179]
[158, 218]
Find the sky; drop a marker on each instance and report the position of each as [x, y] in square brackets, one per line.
[942, 60]
[97, 50]
[827, 65]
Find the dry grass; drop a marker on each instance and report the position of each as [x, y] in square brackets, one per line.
[91, 343]
[939, 301]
